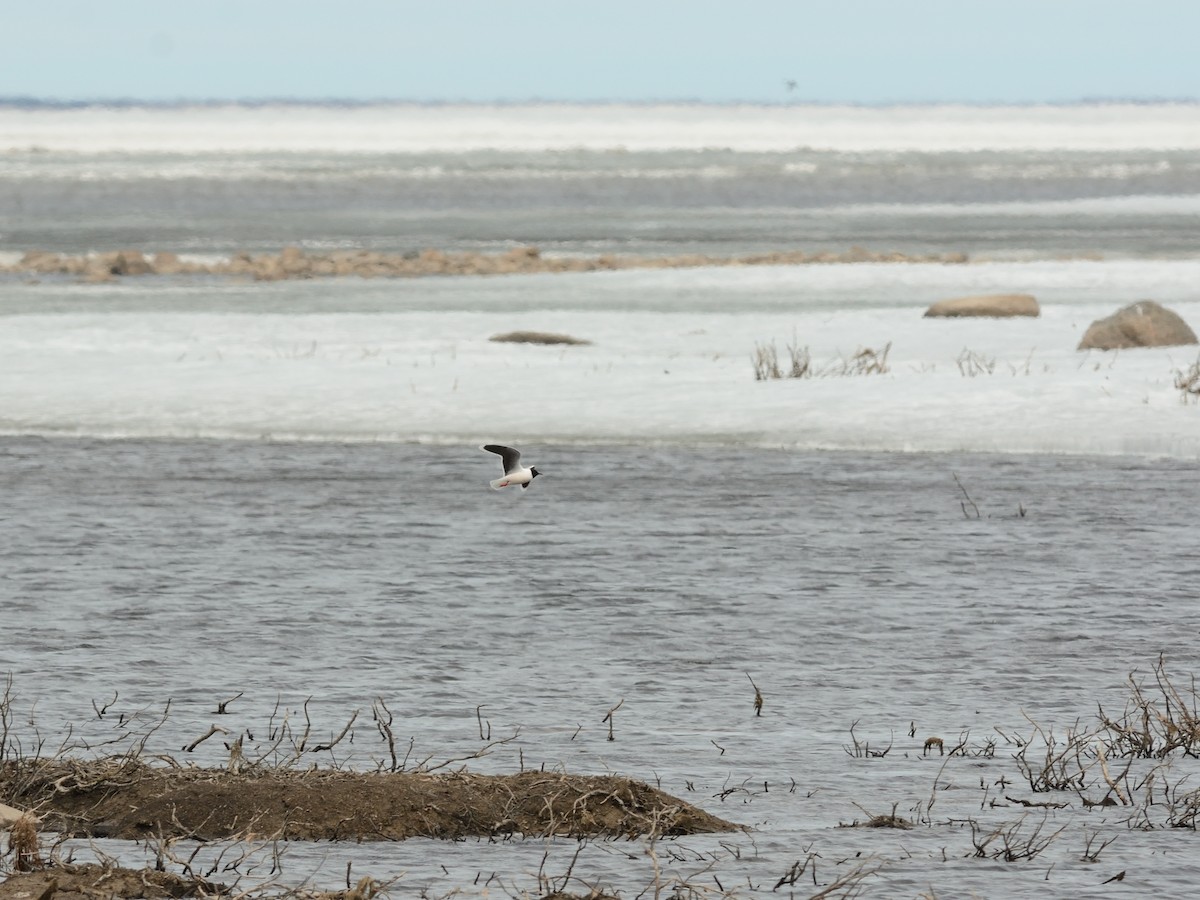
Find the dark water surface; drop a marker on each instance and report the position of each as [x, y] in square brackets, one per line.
[851, 587]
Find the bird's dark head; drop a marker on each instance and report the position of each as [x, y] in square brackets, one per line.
[533, 472]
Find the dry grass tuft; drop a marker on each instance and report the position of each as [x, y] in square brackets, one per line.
[864, 361]
[766, 362]
[971, 364]
[23, 844]
[1187, 382]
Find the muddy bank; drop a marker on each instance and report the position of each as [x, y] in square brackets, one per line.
[294, 262]
[130, 800]
[92, 881]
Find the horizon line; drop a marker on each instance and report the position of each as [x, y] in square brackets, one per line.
[21, 101]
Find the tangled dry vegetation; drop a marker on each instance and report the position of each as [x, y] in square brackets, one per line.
[1127, 767]
[972, 364]
[1125, 762]
[267, 795]
[869, 361]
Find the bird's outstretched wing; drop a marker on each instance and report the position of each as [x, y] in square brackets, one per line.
[508, 456]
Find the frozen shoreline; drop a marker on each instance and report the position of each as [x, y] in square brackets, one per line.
[295, 263]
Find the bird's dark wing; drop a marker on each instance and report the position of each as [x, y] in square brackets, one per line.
[510, 457]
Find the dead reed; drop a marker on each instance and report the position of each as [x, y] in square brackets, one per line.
[1012, 841]
[970, 364]
[864, 361]
[758, 697]
[862, 749]
[970, 508]
[23, 844]
[766, 362]
[1187, 382]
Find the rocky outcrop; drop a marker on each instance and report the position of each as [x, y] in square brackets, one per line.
[130, 262]
[167, 263]
[295, 262]
[1000, 306]
[1141, 324]
[102, 266]
[536, 337]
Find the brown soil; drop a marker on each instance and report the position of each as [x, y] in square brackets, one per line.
[89, 882]
[126, 799]
[60, 881]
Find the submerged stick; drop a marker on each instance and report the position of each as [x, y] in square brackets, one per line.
[968, 501]
[204, 737]
[101, 710]
[608, 717]
[337, 740]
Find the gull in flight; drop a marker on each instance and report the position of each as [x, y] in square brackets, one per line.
[514, 472]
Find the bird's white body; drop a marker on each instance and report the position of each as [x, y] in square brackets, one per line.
[514, 472]
[520, 476]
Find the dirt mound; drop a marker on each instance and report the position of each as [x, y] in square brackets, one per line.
[87, 882]
[127, 799]
[66, 881]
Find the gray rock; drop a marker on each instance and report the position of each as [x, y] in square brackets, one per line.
[998, 306]
[1141, 324]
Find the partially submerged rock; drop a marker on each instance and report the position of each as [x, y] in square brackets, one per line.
[987, 305]
[536, 337]
[130, 801]
[1141, 324]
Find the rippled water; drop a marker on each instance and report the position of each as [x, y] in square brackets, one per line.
[668, 556]
[850, 587]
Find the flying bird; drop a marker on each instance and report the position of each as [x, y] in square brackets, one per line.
[514, 472]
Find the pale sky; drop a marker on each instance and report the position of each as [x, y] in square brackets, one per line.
[835, 51]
